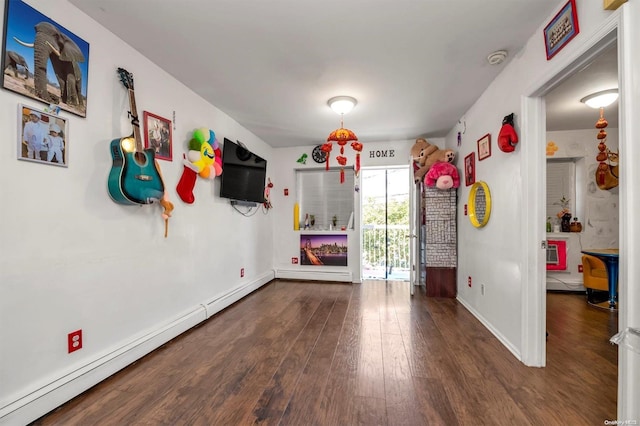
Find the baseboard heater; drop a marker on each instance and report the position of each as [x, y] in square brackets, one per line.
[296, 274]
[215, 305]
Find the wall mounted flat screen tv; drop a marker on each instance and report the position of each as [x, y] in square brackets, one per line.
[243, 173]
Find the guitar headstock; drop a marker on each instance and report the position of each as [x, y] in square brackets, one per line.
[126, 78]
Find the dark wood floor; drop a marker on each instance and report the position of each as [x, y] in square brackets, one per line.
[336, 354]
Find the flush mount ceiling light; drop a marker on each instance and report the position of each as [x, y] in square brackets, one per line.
[601, 99]
[342, 104]
[497, 57]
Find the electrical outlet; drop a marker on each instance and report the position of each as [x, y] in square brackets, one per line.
[241, 272]
[482, 289]
[74, 341]
[294, 260]
[469, 281]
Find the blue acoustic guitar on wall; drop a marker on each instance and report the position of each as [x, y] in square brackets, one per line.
[135, 177]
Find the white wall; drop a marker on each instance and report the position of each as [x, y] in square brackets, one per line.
[73, 259]
[598, 210]
[499, 243]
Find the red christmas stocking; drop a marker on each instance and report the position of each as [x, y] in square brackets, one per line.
[186, 184]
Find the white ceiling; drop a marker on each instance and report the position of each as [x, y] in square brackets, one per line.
[415, 66]
[564, 109]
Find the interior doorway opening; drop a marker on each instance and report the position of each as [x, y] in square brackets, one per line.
[385, 224]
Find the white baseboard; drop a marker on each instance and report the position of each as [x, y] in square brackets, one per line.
[314, 275]
[216, 304]
[36, 402]
[564, 284]
[506, 342]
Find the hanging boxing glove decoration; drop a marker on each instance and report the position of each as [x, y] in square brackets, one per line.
[508, 138]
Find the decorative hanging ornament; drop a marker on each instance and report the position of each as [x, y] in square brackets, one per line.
[606, 174]
[326, 148]
[342, 160]
[357, 147]
[342, 136]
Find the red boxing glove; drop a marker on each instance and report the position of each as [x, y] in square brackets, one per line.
[508, 138]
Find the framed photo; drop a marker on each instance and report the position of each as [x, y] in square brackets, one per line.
[157, 135]
[42, 137]
[470, 169]
[484, 147]
[323, 249]
[31, 38]
[562, 28]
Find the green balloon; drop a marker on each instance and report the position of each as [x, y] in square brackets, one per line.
[194, 144]
[199, 135]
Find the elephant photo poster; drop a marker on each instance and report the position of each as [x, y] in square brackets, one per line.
[43, 60]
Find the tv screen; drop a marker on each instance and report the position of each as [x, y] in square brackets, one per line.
[243, 173]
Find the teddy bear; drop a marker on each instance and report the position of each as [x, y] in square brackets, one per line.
[420, 150]
[442, 175]
[439, 155]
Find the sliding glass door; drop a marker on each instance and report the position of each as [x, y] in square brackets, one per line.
[385, 224]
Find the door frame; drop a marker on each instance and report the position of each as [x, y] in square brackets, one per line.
[617, 28]
[361, 193]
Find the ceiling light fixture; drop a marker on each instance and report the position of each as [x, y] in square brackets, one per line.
[600, 99]
[342, 104]
[497, 57]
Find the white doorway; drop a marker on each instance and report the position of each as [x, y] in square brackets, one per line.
[385, 223]
[618, 28]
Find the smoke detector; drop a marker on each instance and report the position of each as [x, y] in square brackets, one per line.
[497, 57]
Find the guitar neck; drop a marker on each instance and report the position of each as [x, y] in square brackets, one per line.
[135, 122]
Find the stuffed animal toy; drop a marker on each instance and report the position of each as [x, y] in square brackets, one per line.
[442, 175]
[420, 150]
[439, 156]
[204, 159]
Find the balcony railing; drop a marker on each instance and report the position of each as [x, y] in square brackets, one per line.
[377, 242]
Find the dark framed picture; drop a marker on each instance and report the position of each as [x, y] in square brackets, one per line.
[562, 28]
[470, 169]
[42, 137]
[43, 60]
[484, 147]
[157, 135]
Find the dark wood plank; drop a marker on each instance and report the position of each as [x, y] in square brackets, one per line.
[299, 353]
[306, 400]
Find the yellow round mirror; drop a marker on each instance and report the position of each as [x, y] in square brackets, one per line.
[479, 204]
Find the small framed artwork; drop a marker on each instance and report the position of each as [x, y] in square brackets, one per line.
[42, 137]
[157, 135]
[470, 169]
[562, 29]
[44, 61]
[323, 250]
[484, 147]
